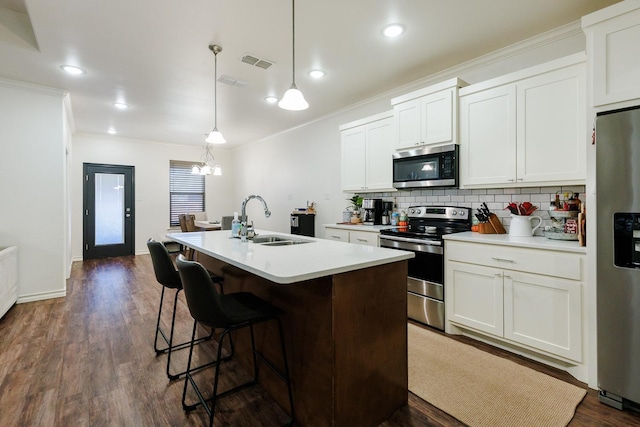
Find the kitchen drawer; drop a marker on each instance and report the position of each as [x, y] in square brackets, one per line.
[363, 238]
[537, 261]
[337, 234]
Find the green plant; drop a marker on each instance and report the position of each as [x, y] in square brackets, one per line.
[356, 203]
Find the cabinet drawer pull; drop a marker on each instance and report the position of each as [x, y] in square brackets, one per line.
[498, 274]
[335, 237]
[502, 260]
[362, 240]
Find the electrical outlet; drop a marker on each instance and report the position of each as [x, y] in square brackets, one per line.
[289, 196]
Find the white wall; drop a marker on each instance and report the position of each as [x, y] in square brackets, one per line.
[151, 162]
[32, 186]
[304, 163]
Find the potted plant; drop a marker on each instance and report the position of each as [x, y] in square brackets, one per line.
[355, 207]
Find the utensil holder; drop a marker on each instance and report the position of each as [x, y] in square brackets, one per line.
[494, 226]
[486, 228]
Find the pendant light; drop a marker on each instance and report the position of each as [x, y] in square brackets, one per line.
[293, 98]
[215, 137]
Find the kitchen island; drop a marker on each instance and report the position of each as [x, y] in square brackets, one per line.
[345, 324]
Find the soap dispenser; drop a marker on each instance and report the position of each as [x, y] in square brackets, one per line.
[235, 226]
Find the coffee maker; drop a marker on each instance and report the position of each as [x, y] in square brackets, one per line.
[372, 209]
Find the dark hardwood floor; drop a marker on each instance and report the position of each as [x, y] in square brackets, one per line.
[88, 360]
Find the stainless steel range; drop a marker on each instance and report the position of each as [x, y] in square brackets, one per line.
[423, 236]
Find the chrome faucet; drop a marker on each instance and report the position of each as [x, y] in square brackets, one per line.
[243, 215]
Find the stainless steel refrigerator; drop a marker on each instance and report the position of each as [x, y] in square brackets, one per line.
[618, 265]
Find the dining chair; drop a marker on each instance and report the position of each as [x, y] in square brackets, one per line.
[230, 312]
[167, 275]
[199, 216]
[187, 224]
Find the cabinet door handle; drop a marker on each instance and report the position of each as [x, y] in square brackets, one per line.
[498, 274]
[502, 260]
[520, 179]
[510, 179]
[506, 276]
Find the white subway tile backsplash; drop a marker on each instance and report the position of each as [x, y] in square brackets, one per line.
[496, 199]
[511, 191]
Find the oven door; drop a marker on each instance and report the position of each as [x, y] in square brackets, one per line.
[425, 281]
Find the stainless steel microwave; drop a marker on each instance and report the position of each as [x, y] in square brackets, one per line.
[426, 167]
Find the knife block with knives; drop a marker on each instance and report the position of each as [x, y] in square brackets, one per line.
[489, 222]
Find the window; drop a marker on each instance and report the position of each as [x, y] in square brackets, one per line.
[186, 191]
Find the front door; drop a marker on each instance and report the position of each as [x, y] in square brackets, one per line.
[108, 211]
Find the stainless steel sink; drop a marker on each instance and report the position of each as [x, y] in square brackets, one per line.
[278, 241]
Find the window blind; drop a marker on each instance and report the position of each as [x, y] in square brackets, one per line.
[186, 191]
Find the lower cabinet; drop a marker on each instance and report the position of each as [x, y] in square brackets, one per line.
[369, 238]
[511, 296]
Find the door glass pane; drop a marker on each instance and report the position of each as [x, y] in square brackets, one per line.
[109, 208]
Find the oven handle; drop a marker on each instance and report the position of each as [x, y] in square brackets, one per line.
[408, 244]
[411, 240]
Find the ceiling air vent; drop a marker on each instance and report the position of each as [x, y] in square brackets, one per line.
[232, 81]
[257, 62]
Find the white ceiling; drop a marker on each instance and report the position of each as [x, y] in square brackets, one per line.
[153, 55]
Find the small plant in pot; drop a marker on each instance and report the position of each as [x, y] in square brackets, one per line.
[355, 207]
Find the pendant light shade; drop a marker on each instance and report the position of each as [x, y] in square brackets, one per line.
[293, 98]
[215, 137]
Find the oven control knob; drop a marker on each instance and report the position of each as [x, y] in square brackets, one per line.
[411, 211]
[461, 212]
[418, 211]
[454, 213]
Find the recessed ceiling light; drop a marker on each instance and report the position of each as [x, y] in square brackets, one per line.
[393, 30]
[316, 74]
[111, 131]
[120, 105]
[72, 69]
[271, 99]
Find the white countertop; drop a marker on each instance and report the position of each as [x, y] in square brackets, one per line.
[536, 242]
[291, 263]
[354, 227]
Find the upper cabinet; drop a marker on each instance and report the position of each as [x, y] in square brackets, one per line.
[613, 36]
[427, 116]
[367, 147]
[527, 128]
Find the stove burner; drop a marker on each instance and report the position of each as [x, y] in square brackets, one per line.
[426, 229]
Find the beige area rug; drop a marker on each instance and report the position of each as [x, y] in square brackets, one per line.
[481, 389]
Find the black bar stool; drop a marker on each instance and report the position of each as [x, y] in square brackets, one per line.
[168, 277]
[229, 312]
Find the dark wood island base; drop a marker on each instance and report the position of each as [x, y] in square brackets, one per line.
[346, 338]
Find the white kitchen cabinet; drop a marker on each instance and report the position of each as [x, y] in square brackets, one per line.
[613, 36]
[8, 278]
[353, 235]
[336, 234]
[525, 129]
[364, 238]
[427, 116]
[367, 148]
[476, 295]
[487, 135]
[530, 298]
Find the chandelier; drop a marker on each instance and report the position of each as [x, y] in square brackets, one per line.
[207, 165]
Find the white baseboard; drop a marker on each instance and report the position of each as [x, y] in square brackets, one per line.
[41, 296]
